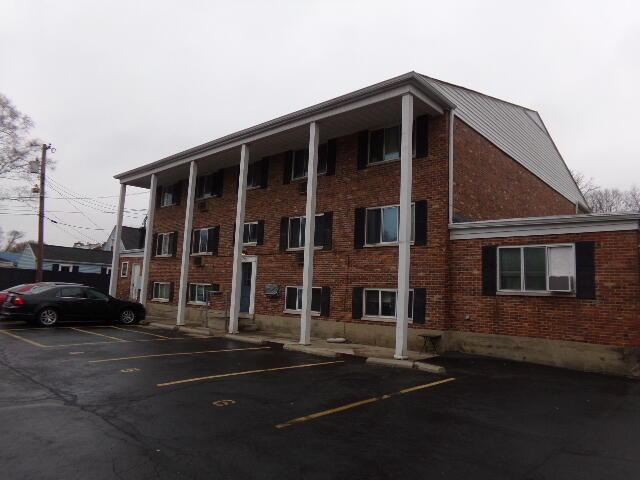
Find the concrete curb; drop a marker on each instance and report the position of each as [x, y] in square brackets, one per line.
[245, 339]
[321, 352]
[409, 364]
[190, 330]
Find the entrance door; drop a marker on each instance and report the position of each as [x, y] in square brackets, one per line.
[134, 293]
[246, 292]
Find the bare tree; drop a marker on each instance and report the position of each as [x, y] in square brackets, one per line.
[632, 199]
[17, 147]
[13, 241]
[586, 185]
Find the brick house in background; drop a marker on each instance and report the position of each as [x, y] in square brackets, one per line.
[131, 256]
[437, 209]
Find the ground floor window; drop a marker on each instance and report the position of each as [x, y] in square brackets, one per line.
[380, 303]
[293, 300]
[536, 268]
[161, 291]
[198, 292]
[124, 269]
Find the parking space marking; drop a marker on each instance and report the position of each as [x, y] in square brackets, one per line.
[98, 334]
[349, 406]
[120, 341]
[246, 372]
[30, 342]
[131, 329]
[178, 353]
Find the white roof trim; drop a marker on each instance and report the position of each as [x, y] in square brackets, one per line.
[534, 226]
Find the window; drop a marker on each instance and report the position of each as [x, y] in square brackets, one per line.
[254, 175]
[537, 268]
[168, 195]
[164, 247]
[301, 162]
[200, 240]
[383, 223]
[161, 291]
[71, 292]
[250, 233]
[93, 294]
[108, 271]
[66, 268]
[124, 269]
[297, 227]
[384, 145]
[204, 187]
[293, 299]
[198, 292]
[381, 303]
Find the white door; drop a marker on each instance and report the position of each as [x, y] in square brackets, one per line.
[136, 280]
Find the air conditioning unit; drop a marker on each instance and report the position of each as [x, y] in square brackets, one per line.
[202, 206]
[561, 284]
[300, 258]
[197, 261]
[302, 188]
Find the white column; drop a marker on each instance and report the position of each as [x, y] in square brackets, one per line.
[236, 278]
[404, 233]
[309, 232]
[186, 244]
[115, 250]
[148, 239]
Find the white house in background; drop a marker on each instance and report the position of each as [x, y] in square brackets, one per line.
[66, 259]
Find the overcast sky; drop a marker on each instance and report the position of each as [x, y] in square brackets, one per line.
[113, 85]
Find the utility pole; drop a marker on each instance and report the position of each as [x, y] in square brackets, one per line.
[43, 169]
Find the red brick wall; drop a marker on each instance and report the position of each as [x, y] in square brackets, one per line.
[124, 283]
[488, 184]
[613, 318]
[342, 267]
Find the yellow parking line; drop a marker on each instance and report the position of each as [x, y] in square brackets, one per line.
[131, 329]
[98, 334]
[349, 406]
[247, 372]
[179, 353]
[31, 342]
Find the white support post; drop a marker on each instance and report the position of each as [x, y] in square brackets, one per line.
[309, 233]
[186, 244]
[115, 250]
[404, 233]
[148, 239]
[236, 278]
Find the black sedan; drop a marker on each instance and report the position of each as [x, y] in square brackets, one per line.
[47, 304]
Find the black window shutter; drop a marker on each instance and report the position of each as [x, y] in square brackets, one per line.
[332, 152]
[288, 165]
[200, 187]
[358, 232]
[284, 233]
[150, 290]
[177, 193]
[421, 222]
[154, 247]
[233, 234]
[217, 183]
[585, 270]
[325, 302]
[213, 240]
[489, 265]
[356, 303]
[419, 305]
[363, 149]
[260, 232]
[75, 268]
[170, 291]
[327, 230]
[55, 267]
[264, 172]
[195, 239]
[422, 136]
[174, 243]
[158, 196]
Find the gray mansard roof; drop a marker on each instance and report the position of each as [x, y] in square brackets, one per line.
[517, 131]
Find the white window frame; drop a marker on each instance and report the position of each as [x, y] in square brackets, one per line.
[124, 272]
[247, 224]
[384, 318]
[200, 252]
[293, 164]
[161, 299]
[68, 266]
[293, 249]
[204, 291]
[381, 208]
[299, 300]
[163, 192]
[522, 290]
[166, 237]
[108, 271]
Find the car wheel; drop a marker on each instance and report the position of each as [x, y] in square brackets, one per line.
[128, 317]
[47, 317]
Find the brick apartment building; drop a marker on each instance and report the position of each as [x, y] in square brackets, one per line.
[437, 209]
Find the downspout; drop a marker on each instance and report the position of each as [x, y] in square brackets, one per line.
[451, 121]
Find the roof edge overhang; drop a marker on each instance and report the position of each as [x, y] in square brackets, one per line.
[552, 225]
[411, 82]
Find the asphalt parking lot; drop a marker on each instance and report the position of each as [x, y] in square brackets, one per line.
[93, 401]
